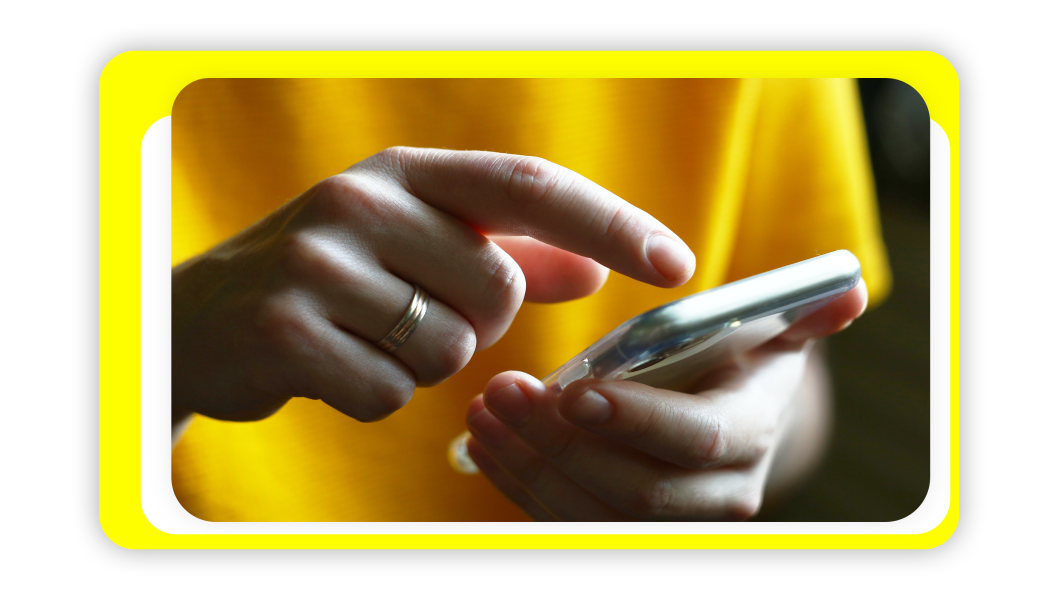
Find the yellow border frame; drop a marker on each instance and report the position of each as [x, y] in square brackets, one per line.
[138, 88]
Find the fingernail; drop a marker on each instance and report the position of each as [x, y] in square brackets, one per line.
[511, 403]
[671, 258]
[589, 409]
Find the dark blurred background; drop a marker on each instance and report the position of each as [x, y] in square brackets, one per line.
[877, 467]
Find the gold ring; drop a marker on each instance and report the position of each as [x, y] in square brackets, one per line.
[407, 324]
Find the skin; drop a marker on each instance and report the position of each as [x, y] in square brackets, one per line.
[604, 451]
[294, 305]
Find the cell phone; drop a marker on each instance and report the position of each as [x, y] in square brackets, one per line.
[676, 344]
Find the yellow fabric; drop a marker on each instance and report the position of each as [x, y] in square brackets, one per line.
[752, 174]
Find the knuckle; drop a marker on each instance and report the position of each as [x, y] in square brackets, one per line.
[335, 187]
[347, 196]
[708, 444]
[310, 255]
[456, 348]
[395, 155]
[396, 393]
[391, 394]
[653, 499]
[532, 179]
[641, 428]
[505, 285]
[396, 161]
[622, 218]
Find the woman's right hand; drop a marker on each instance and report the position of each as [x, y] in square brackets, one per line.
[294, 305]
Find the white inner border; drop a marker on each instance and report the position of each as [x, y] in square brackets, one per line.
[164, 511]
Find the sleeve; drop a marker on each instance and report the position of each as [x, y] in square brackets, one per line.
[809, 187]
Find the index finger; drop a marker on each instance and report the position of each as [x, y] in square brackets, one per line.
[508, 194]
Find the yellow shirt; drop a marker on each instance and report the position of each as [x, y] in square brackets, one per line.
[752, 174]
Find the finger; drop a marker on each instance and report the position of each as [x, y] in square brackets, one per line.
[424, 245]
[622, 477]
[831, 318]
[507, 485]
[733, 421]
[329, 364]
[368, 302]
[507, 194]
[553, 274]
[538, 483]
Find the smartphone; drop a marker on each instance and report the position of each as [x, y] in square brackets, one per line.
[674, 345]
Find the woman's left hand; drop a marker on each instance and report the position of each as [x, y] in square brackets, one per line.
[624, 451]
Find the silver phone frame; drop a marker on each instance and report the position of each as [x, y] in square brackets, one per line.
[711, 326]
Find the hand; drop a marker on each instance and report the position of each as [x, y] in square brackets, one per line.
[626, 451]
[294, 305]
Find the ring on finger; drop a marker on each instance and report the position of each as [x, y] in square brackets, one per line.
[414, 314]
